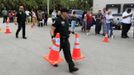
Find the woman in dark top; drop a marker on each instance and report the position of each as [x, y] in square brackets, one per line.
[73, 22]
[89, 22]
[84, 21]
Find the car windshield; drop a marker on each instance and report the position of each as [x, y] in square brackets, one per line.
[79, 12]
[70, 12]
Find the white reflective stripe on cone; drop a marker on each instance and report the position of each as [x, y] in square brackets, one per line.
[57, 41]
[77, 40]
[55, 48]
[77, 47]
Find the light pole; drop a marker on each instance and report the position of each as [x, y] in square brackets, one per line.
[48, 7]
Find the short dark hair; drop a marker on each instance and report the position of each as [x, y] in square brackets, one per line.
[64, 10]
[107, 9]
[21, 5]
[74, 12]
[129, 10]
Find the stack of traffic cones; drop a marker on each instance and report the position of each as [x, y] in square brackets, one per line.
[8, 31]
[0, 29]
[106, 38]
[53, 57]
[76, 55]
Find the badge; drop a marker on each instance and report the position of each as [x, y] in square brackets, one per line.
[63, 23]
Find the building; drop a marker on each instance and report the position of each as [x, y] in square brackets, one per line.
[117, 6]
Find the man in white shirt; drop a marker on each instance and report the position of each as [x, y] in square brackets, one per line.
[126, 23]
[27, 14]
[132, 16]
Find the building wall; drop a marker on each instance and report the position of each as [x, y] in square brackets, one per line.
[100, 4]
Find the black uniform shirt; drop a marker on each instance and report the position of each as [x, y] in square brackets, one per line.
[21, 17]
[62, 27]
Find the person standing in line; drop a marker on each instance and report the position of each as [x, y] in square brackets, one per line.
[21, 20]
[58, 14]
[73, 22]
[98, 22]
[5, 14]
[104, 21]
[126, 23]
[109, 19]
[46, 18]
[10, 15]
[28, 14]
[89, 22]
[61, 26]
[33, 18]
[84, 21]
[38, 17]
[54, 14]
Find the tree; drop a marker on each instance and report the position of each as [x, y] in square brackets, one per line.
[42, 4]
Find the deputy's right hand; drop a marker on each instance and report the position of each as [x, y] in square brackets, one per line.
[53, 40]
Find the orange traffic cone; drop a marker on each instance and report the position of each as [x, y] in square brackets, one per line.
[7, 27]
[106, 38]
[53, 57]
[76, 55]
[8, 30]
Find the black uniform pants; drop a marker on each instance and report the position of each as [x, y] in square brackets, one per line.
[98, 26]
[125, 29]
[23, 27]
[65, 45]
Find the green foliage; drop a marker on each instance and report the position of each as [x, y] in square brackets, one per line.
[42, 4]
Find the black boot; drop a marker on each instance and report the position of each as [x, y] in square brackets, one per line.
[24, 37]
[17, 36]
[73, 69]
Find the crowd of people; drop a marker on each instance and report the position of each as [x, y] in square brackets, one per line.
[10, 14]
[105, 21]
[39, 16]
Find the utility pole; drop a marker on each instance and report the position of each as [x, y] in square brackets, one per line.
[48, 6]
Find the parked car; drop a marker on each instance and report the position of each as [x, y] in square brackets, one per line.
[117, 21]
